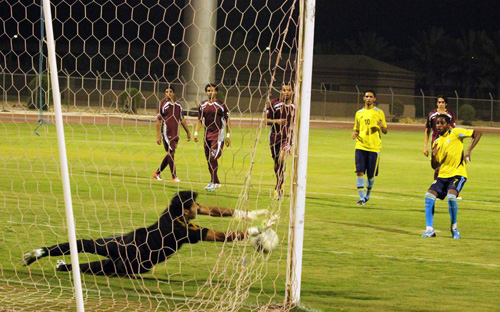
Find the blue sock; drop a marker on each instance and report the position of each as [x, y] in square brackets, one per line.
[453, 208]
[429, 209]
[369, 187]
[361, 187]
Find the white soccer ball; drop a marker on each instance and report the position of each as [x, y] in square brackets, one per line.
[266, 241]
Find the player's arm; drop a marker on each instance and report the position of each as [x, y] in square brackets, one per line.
[355, 133]
[234, 235]
[269, 120]
[382, 124]
[186, 128]
[215, 211]
[198, 127]
[382, 127]
[426, 141]
[158, 131]
[475, 138]
[435, 163]
[227, 212]
[230, 236]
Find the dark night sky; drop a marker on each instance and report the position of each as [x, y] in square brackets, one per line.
[399, 20]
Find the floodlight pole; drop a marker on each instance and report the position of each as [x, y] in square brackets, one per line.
[62, 155]
[305, 61]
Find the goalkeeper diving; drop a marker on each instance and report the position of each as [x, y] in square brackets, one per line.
[138, 251]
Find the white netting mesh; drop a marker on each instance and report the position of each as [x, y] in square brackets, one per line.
[115, 60]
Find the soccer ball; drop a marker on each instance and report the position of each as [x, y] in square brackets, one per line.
[266, 241]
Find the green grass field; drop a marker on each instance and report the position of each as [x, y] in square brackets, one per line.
[356, 258]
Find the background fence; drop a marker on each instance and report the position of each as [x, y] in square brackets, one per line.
[98, 94]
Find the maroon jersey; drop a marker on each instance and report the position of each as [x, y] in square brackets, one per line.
[170, 115]
[431, 122]
[279, 110]
[215, 117]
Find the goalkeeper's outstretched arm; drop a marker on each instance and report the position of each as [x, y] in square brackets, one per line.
[214, 211]
[217, 236]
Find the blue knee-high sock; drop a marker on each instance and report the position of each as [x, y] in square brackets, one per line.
[430, 200]
[453, 208]
[369, 187]
[361, 187]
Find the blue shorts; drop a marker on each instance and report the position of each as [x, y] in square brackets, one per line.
[367, 162]
[442, 185]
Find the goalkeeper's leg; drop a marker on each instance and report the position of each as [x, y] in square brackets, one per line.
[100, 247]
[103, 267]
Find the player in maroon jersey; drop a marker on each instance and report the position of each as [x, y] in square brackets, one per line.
[281, 118]
[214, 115]
[430, 125]
[167, 130]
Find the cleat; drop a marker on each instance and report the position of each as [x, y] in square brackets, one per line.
[176, 179]
[60, 265]
[210, 187]
[367, 199]
[217, 185]
[429, 234]
[361, 202]
[459, 198]
[32, 256]
[157, 176]
[455, 234]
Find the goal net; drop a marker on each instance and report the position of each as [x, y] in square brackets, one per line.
[115, 61]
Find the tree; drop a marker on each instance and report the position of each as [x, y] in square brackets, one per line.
[470, 61]
[491, 47]
[433, 58]
[372, 45]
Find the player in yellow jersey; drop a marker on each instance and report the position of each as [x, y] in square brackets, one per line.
[448, 154]
[368, 125]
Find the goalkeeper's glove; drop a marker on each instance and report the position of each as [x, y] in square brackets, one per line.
[264, 225]
[250, 215]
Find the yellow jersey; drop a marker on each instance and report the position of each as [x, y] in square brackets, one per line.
[366, 122]
[451, 152]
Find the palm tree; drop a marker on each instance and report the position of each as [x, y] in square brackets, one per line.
[491, 47]
[470, 61]
[433, 58]
[372, 45]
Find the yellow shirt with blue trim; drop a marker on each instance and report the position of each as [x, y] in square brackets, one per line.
[451, 152]
[366, 122]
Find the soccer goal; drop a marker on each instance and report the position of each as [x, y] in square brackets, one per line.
[115, 62]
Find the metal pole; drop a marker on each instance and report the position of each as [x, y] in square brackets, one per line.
[491, 107]
[4, 91]
[456, 111]
[294, 270]
[423, 103]
[68, 93]
[62, 155]
[357, 96]
[392, 101]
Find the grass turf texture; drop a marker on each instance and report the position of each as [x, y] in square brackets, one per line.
[356, 258]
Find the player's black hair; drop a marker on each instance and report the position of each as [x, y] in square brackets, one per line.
[213, 85]
[287, 84]
[446, 117]
[371, 91]
[171, 88]
[180, 201]
[442, 97]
